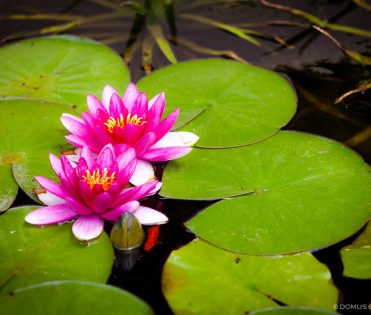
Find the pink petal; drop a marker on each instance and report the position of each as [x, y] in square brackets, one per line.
[106, 157]
[94, 105]
[51, 186]
[74, 125]
[56, 164]
[87, 227]
[143, 173]
[101, 202]
[130, 95]
[107, 93]
[102, 137]
[157, 104]
[113, 214]
[88, 156]
[135, 193]
[49, 199]
[126, 171]
[50, 215]
[80, 142]
[165, 154]
[78, 206]
[144, 143]
[166, 125]
[73, 117]
[116, 106]
[140, 106]
[175, 139]
[148, 216]
[152, 124]
[129, 134]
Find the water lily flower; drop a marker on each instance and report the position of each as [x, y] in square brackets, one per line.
[134, 121]
[93, 190]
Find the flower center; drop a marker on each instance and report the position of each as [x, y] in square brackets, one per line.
[96, 178]
[121, 121]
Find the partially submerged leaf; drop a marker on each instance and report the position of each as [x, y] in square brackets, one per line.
[356, 257]
[202, 279]
[293, 311]
[72, 297]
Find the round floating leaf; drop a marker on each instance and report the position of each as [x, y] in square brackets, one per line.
[31, 255]
[29, 131]
[302, 192]
[356, 257]
[60, 68]
[224, 102]
[203, 279]
[74, 298]
[293, 311]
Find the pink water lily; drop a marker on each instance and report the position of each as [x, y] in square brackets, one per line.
[94, 189]
[133, 121]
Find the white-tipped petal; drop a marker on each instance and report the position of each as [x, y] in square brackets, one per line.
[143, 173]
[148, 216]
[87, 227]
[74, 157]
[176, 139]
[106, 95]
[156, 189]
[49, 199]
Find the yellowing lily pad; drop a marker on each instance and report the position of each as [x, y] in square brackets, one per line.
[29, 131]
[296, 192]
[62, 69]
[31, 254]
[232, 104]
[356, 257]
[202, 279]
[72, 297]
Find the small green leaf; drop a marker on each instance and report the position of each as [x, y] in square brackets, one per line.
[72, 297]
[242, 104]
[356, 257]
[202, 279]
[31, 254]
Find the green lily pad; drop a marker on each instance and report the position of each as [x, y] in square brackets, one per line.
[74, 298]
[293, 311]
[202, 279]
[29, 131]
[233, 104]
[356, 257]
[31, 254]
[8, 187]
[62, 68]
[297, 192]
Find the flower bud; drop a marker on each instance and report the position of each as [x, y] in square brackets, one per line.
[127, 237]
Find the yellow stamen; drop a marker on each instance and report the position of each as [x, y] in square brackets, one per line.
[96, 178]
[121, 121]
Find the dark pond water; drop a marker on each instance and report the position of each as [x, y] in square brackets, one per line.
[317, 68]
